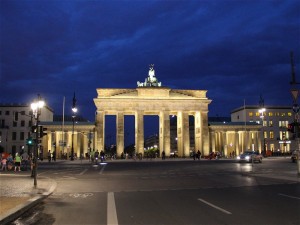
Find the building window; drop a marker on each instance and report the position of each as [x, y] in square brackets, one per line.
[22, 136]
[23, 113]
[257, 114]
[22, 123]
[272, 134]
[270, 113]
[283, 124]
[15, 123]
[14, 136]
[270, 123]
[2, 125]
[283, 114]
[7, 113]
[290, 114]
[0, 113]
[250, 113]
[265, 134]
[265, 123]
[30, 123]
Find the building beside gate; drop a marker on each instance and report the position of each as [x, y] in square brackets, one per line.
[274, 121]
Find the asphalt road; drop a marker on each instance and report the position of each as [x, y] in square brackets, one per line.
[169, 192]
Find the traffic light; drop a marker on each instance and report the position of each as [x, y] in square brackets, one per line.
[42, 131]
[29, 141]
[291, 127]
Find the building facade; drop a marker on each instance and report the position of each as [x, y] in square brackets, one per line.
[274, 120]
[15, 125]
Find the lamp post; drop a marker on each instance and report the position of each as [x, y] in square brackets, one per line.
[74, 110]
[36, 107]
[261, 112]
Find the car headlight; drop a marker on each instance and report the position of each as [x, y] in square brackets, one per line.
[247, 157]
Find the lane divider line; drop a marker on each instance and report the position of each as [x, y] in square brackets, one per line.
[112, 218]
[102, 169]
[214, 206]
[83, 172]
[289, 196]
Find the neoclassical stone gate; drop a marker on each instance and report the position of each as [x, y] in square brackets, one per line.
[150, 98]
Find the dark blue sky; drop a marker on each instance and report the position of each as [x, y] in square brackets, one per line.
[234, 49]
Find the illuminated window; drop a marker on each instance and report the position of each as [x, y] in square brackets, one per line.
[270, 113]
[250, 113]
[265, 134]
[257, 114]
[290, 114]
[283, 124]
[270, 123]
[283, 114]
[272, 134]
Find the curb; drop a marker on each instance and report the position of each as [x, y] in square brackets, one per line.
[16, 212]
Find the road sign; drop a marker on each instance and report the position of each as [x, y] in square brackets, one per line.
[295, 94]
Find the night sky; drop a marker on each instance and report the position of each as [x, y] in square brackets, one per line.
[236, 50]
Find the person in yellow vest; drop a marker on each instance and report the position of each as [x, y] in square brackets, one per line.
[17, 162]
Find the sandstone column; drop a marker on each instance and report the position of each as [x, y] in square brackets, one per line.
[164, 132]
[186, 134]
[120, 133]
[197, 124]
[204, 133]
[100, 129]
[139, 132]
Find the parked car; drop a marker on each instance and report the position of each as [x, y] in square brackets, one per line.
[294, 156]
[250, 156]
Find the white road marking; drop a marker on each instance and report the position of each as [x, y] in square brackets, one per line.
[102, 169]
[83, 172]
[112, 218]
[289, 196]
[214, 206]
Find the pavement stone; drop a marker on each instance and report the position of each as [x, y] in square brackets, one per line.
[18, 194]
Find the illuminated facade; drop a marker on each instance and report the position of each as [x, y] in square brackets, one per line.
[275, 121]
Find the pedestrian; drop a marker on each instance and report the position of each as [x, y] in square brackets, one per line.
[9, 162]
[25, 158]
[49, 156]
[198, 154]
[4, 161]
[17, 162]
[54, 155]
[163, 155]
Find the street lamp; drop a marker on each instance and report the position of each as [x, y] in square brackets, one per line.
[36, 107]
[261, 111]
[74, 110]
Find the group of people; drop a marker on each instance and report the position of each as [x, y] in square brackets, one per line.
[94, 155]
[51, 156]
[196, 155]
[14, 163]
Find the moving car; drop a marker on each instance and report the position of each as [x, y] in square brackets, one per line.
[294, 156]
[248, 156]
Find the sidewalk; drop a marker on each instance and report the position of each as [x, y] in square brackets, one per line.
[17, 194]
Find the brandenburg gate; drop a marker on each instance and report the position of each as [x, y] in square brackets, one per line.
[151, 98]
